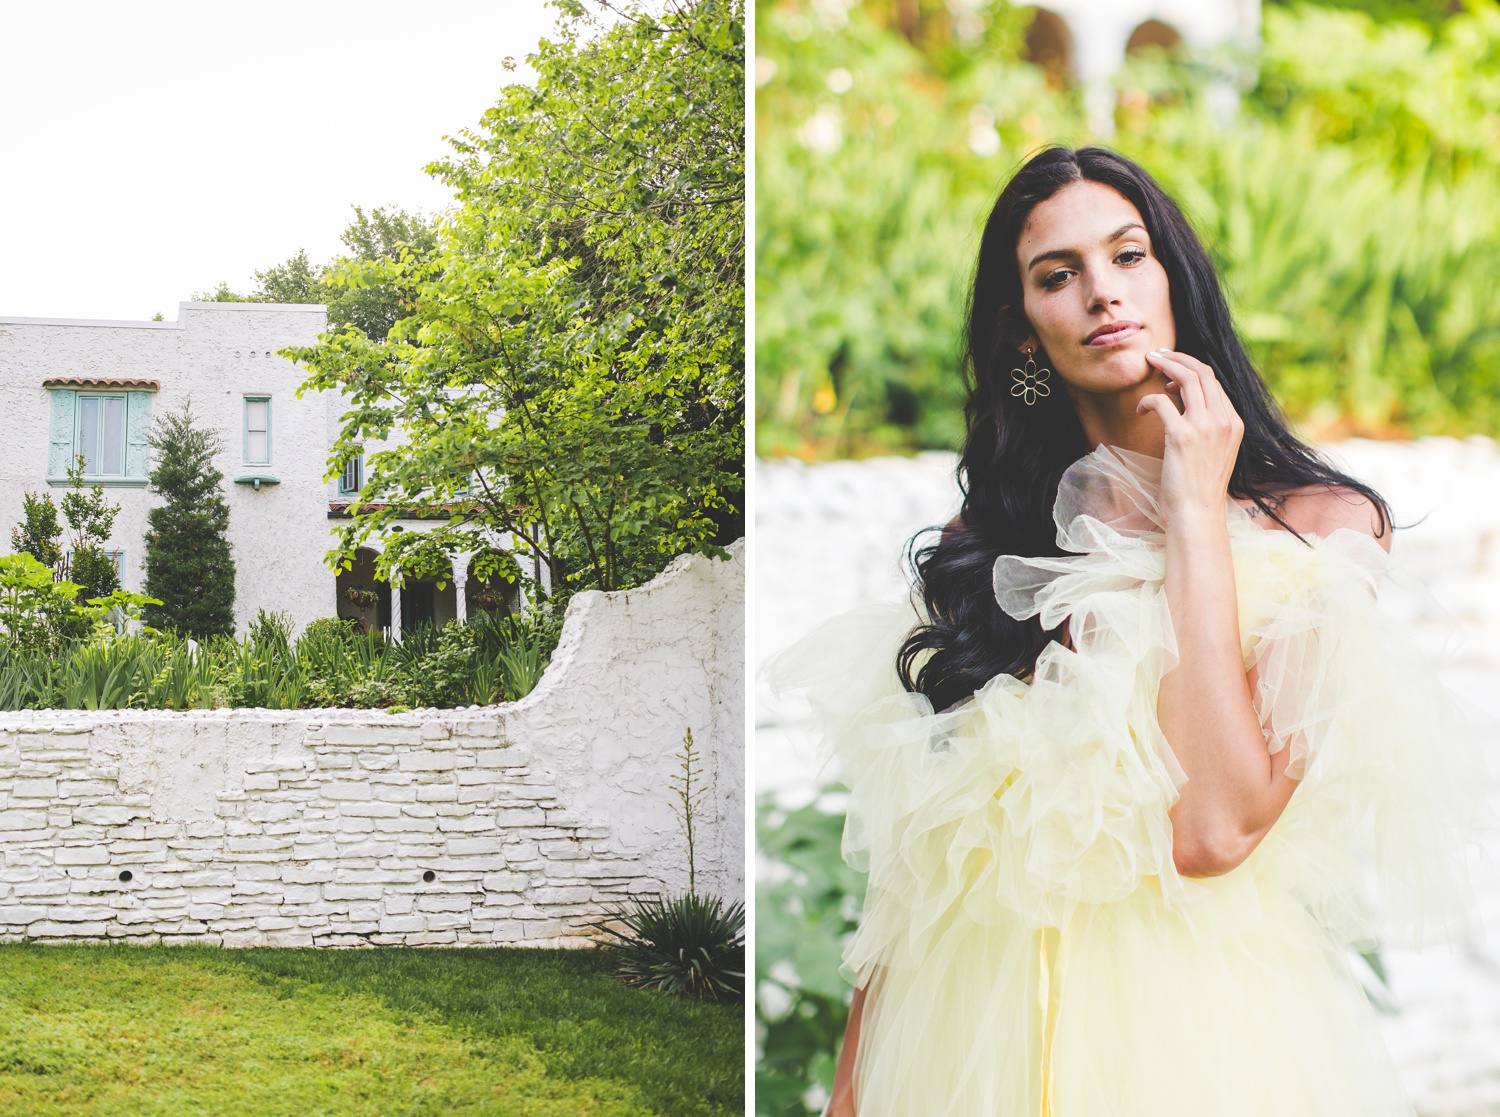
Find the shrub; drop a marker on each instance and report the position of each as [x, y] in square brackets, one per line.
[807, 904]
[90, 518]
[440, 663]
[36, 611]
[1352, 204]
[690, 946]
[189, 566]
[518, 649]
[38, 533]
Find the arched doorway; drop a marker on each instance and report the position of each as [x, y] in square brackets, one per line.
[423, 602]
[362, 597]
[494, 595]
[1049, 44]
[1154, 34]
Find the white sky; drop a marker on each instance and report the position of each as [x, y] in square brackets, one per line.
[149, 150]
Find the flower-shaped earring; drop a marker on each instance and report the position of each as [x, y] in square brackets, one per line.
[1031, 381]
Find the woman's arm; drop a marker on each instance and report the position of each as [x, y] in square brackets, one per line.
[1235, 788]
[842, 1102]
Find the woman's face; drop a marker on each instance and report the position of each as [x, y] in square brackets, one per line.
[1095, 294]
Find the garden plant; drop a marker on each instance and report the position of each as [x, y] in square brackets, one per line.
[687, 945]
[331, 663]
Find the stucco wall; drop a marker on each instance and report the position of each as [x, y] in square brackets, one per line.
[315, 827]
[216, 353]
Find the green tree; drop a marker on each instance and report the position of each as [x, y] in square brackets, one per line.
[189, 566]
[380, 235]
[38, 533]
[90, 518]
[572, 368]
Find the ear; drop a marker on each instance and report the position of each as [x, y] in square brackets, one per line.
[1016, 332]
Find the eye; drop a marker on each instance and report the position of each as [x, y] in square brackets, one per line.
[1055, 279]
[1132, 254]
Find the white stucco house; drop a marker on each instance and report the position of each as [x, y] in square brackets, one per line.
[77, 387]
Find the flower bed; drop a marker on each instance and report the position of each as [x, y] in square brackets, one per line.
[331, 663]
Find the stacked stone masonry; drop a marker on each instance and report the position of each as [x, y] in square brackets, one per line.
[355, 827]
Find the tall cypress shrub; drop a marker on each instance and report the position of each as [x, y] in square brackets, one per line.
[189, 566]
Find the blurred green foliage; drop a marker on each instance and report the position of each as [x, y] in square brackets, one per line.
[1352, 202]
[806, 904]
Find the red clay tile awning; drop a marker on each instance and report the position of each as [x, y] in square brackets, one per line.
[102, 382]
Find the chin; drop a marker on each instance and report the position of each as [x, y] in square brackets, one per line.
[1119, 370]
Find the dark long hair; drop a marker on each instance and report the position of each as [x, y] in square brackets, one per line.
[1014, 455]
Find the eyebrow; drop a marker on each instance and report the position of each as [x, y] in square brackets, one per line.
[1064, 253]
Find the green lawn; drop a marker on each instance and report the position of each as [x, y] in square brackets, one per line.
[198, 1030]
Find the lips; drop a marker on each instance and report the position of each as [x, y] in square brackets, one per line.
[1112, 332]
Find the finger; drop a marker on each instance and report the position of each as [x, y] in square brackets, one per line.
[1213, 388]
[1187, 378]
[1165, 410]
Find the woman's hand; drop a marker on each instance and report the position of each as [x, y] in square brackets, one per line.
[1203, 436]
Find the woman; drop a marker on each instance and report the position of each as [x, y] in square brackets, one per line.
[1111, 789]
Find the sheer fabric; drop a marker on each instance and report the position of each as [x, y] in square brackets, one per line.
[1028, 945]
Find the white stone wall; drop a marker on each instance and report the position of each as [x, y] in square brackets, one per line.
[316, 827]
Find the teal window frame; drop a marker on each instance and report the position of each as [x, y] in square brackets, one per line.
[64, 441]
[124, 424]
[245, 429]
[117, 557]
[351, 480]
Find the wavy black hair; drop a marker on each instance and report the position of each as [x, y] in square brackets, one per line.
[1014, 455]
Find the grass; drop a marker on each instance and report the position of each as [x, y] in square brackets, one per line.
[168, 1031]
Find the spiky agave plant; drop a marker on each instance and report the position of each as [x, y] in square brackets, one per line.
[690, 946]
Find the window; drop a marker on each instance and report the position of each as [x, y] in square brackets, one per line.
[100, 435]
[116, 559]
[104, 421]
[257, 430]
[353, 477]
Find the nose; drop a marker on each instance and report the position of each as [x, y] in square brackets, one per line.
[1101, 290]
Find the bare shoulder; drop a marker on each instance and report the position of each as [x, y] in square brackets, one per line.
[1324, 509]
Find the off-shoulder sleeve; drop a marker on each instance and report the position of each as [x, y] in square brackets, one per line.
[1032, 799]
[1389, 777]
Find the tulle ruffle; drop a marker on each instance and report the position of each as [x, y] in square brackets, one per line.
[1022, 893]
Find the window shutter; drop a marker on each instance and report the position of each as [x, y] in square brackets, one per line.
[60, 447]
[137, 429]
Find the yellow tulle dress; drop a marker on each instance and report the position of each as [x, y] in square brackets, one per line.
[1029, 948]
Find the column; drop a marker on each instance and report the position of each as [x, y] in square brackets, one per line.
[461, 585]
[395, 605]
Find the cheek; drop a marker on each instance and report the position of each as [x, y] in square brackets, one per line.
[1156, 294]
[1048, 317]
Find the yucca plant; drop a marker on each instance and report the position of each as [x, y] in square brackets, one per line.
[688, 946]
